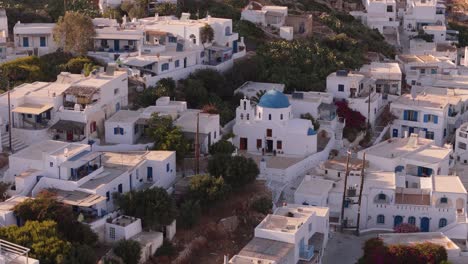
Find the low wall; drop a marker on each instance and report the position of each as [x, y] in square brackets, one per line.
[29, 136]
[122, 147]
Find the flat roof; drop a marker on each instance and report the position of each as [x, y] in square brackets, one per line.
[314, 186]
[250, 89]
[51, 147]
[382, 68]
[450, 184]
[262, 248]
[9, 204]
[415, 238]
[125, 116]
[33, 109]
[188, 121]
[410, 58]
[105, 177]
[339, 163]
[77, 198]
[33, 28]
[99, 80]
[427, 100]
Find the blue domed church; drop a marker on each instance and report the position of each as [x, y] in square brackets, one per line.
[269, 127]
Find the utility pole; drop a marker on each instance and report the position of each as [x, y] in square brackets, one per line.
[368, 109]
[344, 190]
[197, 147]
[9, 118]
[360, 193]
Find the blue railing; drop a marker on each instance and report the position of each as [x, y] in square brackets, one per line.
[306, 252]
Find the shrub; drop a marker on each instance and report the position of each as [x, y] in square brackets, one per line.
[167, 249]
[128, 250]
[207, 189]
[350, 134]
[406, 228]
[241, 171]
[262, 205]
[222, 147]
[189, 213]
[76, 65]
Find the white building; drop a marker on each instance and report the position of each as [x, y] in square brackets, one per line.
[87, 179]
[380, 15]
[421, 69]
[71, 109]
[434, 116]
[291, 234]
[461, 144]
[387, 76]
[3, 34]
[273, 16]
[127, 127]
[420, 13]
[13, 253]
[441, 35]
[419, 46]
[252, 89]
[269, 127]
[405, 181]
[35, 38]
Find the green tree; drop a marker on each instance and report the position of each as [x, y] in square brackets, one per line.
[76, 65]
[189, 213]
[218, 164]
[74, 33]
[196, 94]
[166, 9]
[262, 204]
[314, 121]
[165, 87]
[128, 250]
[241, 171]
[258, 95]
[206, 34]
[222, 147]
[166, 136]
[207, 189]
[41, 237]
[80, 254]
[153, 206]
[46, 207]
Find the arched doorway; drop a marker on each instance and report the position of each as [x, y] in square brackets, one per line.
[460, 205]
[397, 220]
[424, 224]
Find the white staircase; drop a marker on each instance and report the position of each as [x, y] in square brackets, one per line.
[16, 143]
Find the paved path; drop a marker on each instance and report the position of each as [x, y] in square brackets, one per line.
[344, 248]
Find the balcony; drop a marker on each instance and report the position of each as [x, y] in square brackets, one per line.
[306, 252]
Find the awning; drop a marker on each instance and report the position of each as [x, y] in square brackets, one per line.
[68, 125]
[33, 109]
[138, 63]
[77, 198]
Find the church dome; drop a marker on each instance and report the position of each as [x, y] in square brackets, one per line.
[274, 99]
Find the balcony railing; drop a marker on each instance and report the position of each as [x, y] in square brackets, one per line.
[306, 252]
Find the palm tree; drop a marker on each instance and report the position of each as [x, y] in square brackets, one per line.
[258, 95]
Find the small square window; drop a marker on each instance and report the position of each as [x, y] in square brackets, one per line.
[340, 88]
[51, 164]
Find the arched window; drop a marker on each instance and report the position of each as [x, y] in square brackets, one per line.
[269, 116]
[245, 105]
[382, 197]
[259, 115]
[380, 219]
[281, 116]
[412, 220]
[228, 31]
[443, 200]
[248, 116]
[242, 116]
[193, 38]
[442, 222]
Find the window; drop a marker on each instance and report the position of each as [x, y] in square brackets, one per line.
[389, 9]
[413, 82]
[269, 116]
[165, 67]
[118, 131]
[259, 143]
[422, 71]
[107, 196]
[116, 91]
[310, 227]
[382, 197]
[177, 63]
[245, 105]
[202, 54]
[463, 135]
[214, 135]
[259, 115]
[430, 135]
[149, 174]
[51, 164]
[92, 127]
[380, 219]
[168, 167]
[431, 119]
[410, 115]
[339, 174]
[29, 115]
[112, 233]
[42, 41]
[248, 116]
[340, 88]
[172, 39]
[443, 200]
[25, 42]
[433, 71]
[412, 220]
[279, 144]
[120, 188]
[242, 116]
[269, 132]
[228, 31]
[281, 116]
[461, 145]
[135, 129]
[442, 222]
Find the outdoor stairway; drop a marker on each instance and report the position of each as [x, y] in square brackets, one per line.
[16, 143]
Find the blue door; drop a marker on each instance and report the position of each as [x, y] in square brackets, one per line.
[395, 133]
[25, 42]
[424, 224]
[116, 45]
[117, 107]
[397, 220]
[131, 183]
[149, 174]
[235, 46]
[411, 130]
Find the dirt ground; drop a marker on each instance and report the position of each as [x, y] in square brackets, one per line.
[222, 243]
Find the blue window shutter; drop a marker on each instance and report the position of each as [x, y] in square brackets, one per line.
[405, 115]
[426, 118]
[436, 119]
[121, 131]
[116, 130]
[419, 171]
[416, 115]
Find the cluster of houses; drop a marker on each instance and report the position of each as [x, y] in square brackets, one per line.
[76, 137]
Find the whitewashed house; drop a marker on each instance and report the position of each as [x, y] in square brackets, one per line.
[35, 38]
[387, 75]
[441, 35]
[421, 13]
[422, 69]
[461, 144]
[268, 15]
[379, 14]
[3, 34]
[269, 127]
[419, 46]
[433, 116]
[293, 233]
[405, 181]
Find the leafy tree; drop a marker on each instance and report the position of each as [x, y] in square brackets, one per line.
[258, 95]
[222, 147]
[80, 254]
[76, 65]
[74, 33]
[315, 122]
[166, 9]
[165, 87]
[128, 250]
[41, 237]
[166, 136]
[206, 34]
[167, 249]
[196, 94]
[354, 119]
[207, 189]
[153, 206]
[262, 204]
[241, 171]
[218, 164]
[85, 7]
[46, 207]
[189, 213]
[4, 187]
[213, 81]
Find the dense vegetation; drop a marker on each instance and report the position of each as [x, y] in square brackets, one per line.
[463, 36]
